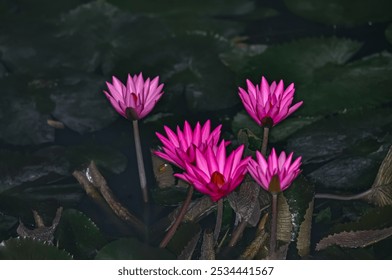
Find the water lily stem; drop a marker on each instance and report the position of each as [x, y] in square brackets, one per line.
[237, 233]
[219, 216]
[140, 162]
[272, 250]
[265, 141]
[178, 220]
[344, 197]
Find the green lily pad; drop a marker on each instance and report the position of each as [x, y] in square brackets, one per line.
[342, 12]
[363, 83]
[26, 110]
[81, 105]
[30, 249]
[132, 249]
[299, 59]
[77, 234]
[388, 33]
[192, 70]
[353, 133]
[22, 168]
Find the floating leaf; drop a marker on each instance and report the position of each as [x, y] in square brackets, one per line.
[354, 239]
[78, 235]
[22, 168]
[26, 110]
[299, 59]
[75, 97]
[132, 249]
[342, 12]
[30, 249]
[360, 84]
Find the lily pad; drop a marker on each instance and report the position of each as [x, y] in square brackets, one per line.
[81, 105]
[362, 84]
[342, 12]
[132, 249]
[299, 59]
[171, 196]
[354, 133]
[26, 110]
[25, 167]
[30, 249]
[193, 72]
[78, 235]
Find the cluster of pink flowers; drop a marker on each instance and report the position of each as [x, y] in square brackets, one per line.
[206, 163]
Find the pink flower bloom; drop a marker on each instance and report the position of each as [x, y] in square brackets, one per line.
[180, 148]
[277, 174]
[135, 99]
[268, 104]
[215, 174]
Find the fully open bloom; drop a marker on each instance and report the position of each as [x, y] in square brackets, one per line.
[268, 104]
[180, 148]
[135, 99]
[277, 174]
[215, 174]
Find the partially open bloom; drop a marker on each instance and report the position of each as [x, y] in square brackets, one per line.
[180, 148]
[268, 104]
[215, 174]
[135, 99]
[277, 174]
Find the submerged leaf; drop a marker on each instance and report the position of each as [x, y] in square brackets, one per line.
[187, 253]
[354, 239]
[207, 247]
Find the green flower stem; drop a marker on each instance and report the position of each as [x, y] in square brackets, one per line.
[178, 220]
[265, 141]
[219, 216]
[272, 250]
[140, 162]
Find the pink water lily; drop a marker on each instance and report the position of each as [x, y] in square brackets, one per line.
[135, 99]
[268, 104]
[277, 173]
[213, 173]
[180, 147]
